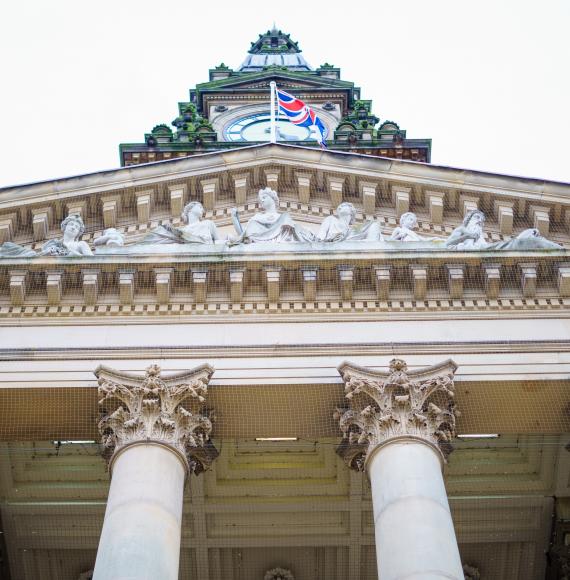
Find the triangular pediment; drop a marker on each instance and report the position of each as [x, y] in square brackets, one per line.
[319, 274]
[262, 80]
[311, 183]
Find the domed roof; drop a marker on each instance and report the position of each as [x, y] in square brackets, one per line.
[274, 48]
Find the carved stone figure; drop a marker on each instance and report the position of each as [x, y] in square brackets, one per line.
[471, 572]
[470, 236]
[269, 225]
[278, 574]
[529, 239]
[339, 228]
[405, 231]
[195, 231]
[70, 245]
[12, 250]
[111, 237]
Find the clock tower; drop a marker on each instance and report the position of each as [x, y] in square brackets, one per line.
[232, 110]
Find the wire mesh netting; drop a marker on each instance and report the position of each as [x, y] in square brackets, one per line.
[429, 282]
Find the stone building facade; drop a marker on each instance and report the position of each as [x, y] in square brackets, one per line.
[376, 390]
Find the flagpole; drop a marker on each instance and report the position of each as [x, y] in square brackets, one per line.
[273, 131]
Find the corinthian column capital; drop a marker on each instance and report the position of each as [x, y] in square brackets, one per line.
[398, 405]
[148, 409]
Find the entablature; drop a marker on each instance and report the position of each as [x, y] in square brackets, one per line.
[296, 280]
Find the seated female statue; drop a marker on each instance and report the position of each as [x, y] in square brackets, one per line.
[194, 231]
[339, 228]
[269, 225]
[405, 231]
[70, 245]
[111, 237]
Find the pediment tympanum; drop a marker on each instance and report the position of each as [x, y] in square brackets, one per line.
[262, 80]
[311, 185]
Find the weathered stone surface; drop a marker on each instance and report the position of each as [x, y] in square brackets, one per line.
[396, 405]
[150, 410]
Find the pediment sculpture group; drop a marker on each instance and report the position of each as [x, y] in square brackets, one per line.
[272, 226]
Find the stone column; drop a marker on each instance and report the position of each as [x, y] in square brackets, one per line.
[152, 444]
[398, 429]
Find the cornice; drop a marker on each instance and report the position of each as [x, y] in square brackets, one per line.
[382, 349]
[303, 284]
[216, 313]
[337, 162]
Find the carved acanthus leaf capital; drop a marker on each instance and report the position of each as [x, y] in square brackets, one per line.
[150, 410]
[395, 405]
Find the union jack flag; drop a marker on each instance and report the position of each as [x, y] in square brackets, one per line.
[301, 114]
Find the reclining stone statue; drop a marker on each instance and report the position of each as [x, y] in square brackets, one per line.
[195, 230]
[111, 237]
[339, 228]
[269, 225]
[405, 231]
[471, 236]
[69, 245]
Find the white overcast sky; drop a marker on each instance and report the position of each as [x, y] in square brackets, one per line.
[487, 80]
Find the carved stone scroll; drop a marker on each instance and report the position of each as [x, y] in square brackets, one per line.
[7, 227]
[528, 279]
[368, 194]
[416, 405]
[492, 280]
[150, 411]
[541, 218]
[41, 221]
[505, 215]
[144, 200]
[177, 197]
[346, 282]
[401, 198]
[240, 187]
[335, 185]
[564, 279]
[18, 287]
[310, 274]
[382, 282]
